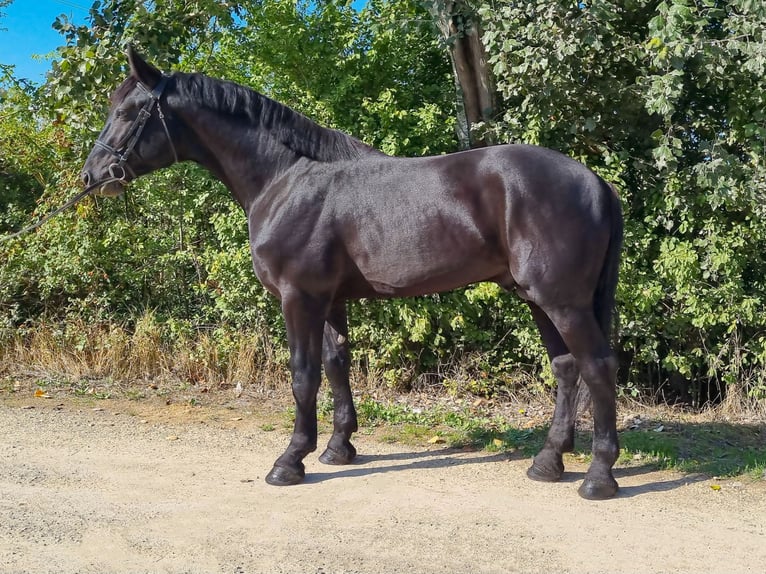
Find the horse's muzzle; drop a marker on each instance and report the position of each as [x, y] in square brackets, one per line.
[111, 188]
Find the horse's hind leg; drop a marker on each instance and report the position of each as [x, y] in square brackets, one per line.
[548, 465]
[337, 362]
[598, 367]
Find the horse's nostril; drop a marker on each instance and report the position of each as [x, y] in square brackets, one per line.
[85, 176]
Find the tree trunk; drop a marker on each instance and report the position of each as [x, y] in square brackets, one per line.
[460, 29]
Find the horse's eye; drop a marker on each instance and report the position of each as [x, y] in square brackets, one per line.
[119, 113]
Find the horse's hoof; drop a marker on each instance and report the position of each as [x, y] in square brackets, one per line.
[602, 490]
[338, 456]
[545, 473]
[284, 476]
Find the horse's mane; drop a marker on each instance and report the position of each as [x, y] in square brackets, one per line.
[282, 124]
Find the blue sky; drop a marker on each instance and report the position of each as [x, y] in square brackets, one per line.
[27, 30]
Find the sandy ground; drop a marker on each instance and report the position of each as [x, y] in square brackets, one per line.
[126, 488]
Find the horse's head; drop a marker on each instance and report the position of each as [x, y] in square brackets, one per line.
[137, 136]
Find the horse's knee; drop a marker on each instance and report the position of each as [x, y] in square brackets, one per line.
[305, 383]
[564, 369]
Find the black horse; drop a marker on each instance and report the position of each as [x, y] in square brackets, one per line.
[332, 219]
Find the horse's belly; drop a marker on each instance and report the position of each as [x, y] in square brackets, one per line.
[403, 281]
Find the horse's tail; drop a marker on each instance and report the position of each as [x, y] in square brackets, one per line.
[604, 298]
[606, 288]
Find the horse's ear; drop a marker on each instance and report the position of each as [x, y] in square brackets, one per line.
[143, 71]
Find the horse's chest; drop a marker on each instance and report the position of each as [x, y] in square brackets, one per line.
[292, 255]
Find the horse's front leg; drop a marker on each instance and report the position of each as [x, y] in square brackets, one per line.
[336, 359]
[304, 320]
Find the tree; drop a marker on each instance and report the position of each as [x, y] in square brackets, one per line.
[21, 144]
[459, 25]
[357, 71]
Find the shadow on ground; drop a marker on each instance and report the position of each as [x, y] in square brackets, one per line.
[429, 459]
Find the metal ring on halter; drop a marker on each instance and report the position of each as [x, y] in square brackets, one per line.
[122, 178]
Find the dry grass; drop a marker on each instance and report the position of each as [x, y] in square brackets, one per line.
[116, 361]
[80, 352]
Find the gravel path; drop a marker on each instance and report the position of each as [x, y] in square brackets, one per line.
[132, 488]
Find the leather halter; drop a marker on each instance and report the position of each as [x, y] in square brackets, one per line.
[119, 170]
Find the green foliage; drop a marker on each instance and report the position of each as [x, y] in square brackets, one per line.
[423, 335]
[22, 173]
[92, 62]
[378, 74]
[665, 99]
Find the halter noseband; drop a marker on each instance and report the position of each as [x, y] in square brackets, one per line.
[120, 169]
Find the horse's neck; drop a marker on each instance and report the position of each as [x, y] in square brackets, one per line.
[230, 153]
[247, 155]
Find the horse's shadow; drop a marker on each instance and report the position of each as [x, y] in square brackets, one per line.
[450, 457]
[639, 489]
[427, 459]
[650, 487]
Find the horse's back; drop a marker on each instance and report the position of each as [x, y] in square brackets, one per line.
[436, 223]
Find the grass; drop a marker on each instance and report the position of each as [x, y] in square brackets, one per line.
[667, 441]
[713, 448]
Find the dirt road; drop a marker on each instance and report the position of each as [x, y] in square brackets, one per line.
[125, 488]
